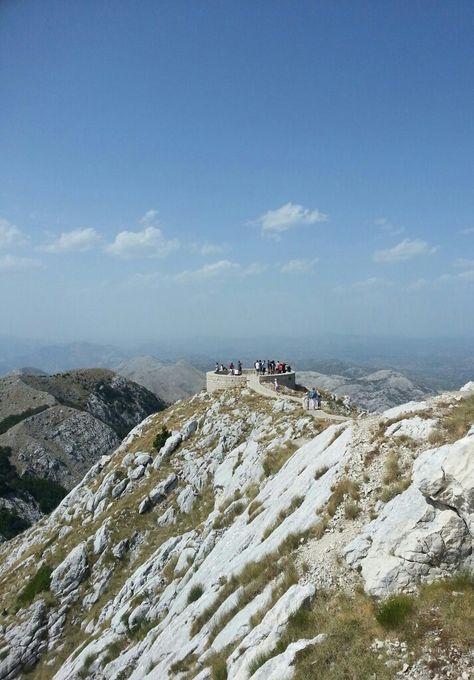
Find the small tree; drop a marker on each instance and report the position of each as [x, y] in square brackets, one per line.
[161, 437]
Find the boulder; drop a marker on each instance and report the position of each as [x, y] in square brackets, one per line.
[185, 499]
[71, 572]
[426, 532]
[189, 429]
[171, 444]
[119, 488]
[136, 473]
[142, 458]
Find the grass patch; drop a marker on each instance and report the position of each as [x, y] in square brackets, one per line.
[320, 472]
[394, 611]
[283, 514]
[40, 582]
[351, 510]
[195, 593]
[254, 509]
[392, 470]
[455, 422]
[225, 519]
[275, 460]
[389, 492]
[344, 487]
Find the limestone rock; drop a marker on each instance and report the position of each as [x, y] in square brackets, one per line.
[26, 642]
[142, 458]
[446, 476]
[185, 499]
[264, 637]
[280, 667]
[161, 490]
[167, 518]
[189, 429]
[171, 444]
[137, 472]
[71, 572]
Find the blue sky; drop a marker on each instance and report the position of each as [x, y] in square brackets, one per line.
[185, 168]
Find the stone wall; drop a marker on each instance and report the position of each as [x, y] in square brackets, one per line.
[283, 379]
[220, 381]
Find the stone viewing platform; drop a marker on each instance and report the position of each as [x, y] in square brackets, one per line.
[248, 378]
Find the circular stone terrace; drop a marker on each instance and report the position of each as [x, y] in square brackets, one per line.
[248, 378]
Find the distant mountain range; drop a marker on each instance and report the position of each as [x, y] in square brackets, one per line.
[368, 390]
[168, 381]
[438, 363]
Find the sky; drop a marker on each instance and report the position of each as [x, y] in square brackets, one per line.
[176, 168]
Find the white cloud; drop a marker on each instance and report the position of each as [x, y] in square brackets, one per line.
[299, 266]
[206, 249]
[12, 262]
[388, 227]
[9, 234]
[149, 218]
[405, 250]
[221, 268]
[467, 276]
[370, 283]
[290, 215]
[468, 230]
[78, 240]
[464, 263]
[149, 242]
[418, 284]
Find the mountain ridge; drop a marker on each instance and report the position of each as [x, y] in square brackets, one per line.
[219, 554]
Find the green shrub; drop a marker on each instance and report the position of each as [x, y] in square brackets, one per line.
[394, 611]
[40, 582]
[11, 524]
[161, 438]
[195, 593]
[46, 492]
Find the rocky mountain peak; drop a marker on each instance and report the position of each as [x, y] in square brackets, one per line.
[216, 538]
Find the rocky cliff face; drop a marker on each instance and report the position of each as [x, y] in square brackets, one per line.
[255, 543]
[56, 427]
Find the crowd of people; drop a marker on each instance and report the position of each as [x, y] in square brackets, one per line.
[230, 370]
[270, 366]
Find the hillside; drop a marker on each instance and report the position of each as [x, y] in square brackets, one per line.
[54, 428]
[367, 389]
[168, 381]
[257, 541]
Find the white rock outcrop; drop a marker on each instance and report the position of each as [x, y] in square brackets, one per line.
[425, 532]
[71, 572]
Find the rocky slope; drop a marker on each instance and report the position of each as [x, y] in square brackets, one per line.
[168, 381]
[55, 427]
[369, 390]
[255, 543]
